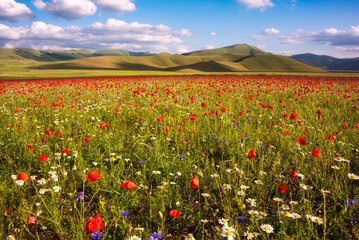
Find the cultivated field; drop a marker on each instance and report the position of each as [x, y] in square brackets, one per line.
[180, 157]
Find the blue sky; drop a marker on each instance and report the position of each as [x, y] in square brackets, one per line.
[278, 26]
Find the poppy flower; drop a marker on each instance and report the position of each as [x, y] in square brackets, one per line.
[30, 148]
[32, 220]
[57, 134]
[293, 174]
[93, 176]
[319, 112]
[281, 188]
[305, 132]
[285, 133]
[44, 140]
[223, 110]
[23, 176]
[344, 127]
[302, 141]
[48, 132]
[194, 182]
[103, 125]
[251, 154]
[194, 132]
[285, 115]
[174, 213]
[357, 126]
[43, 158]
[65, 151]
[315, 152]
[94, 224]
[168, 129]
[86, 139]
[293, 116]
[128, 185]
[330, 137]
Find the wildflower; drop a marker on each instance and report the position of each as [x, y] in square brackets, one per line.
[335, 167]
[226, 186]
[124, 213]
[223, 221]
[20, 182]
[128, 185]
[205, 194]
[41, 181]
[155, 236]
[251, 201]
[285, 207]
[251, 235]
[134, 238]
[296, 215]
[315, 153]
[258, 182]
[80, 196]
[277, 199]
[293, 203]
[267, 228]
[32, 220]
[317, 220]
[241, 193]
[251, 154]
[43, 158]
[244, 187]
[353, 176]
[214, 175]
[156, 172]
[23, 176]
[228, 232]
[56, 189]
[94, 224]
[189, 237]
[42, 191]
[96, 235]
[240, 219]
[174, 213]
[306, 187]
[194, 182]
[93, 176]
[281, 188]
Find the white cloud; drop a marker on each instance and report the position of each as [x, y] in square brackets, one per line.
[184, 32]
[213, 33]
[13, 11]
[118, 6]
[270, 31]
[111, 34]
[208, 47]
[260, 4]
[68, 9]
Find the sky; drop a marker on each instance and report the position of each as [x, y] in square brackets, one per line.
[286, 27]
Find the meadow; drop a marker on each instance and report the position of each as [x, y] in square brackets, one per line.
[180, 157]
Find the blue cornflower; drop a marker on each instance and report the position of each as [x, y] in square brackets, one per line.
[183, 156]
[295, 149]
[246, 135]
[240, 219]
[80, 196]
[141, 162]
[214, 136]
[262, 146]
[234, 126]
[155, 236]
[159, 126]
[354, 220]
[96, 235]
[124, 213]
[294, 163]
[220, 141]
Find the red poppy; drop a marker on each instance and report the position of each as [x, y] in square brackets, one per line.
[94, 224]
[286, 133]
[174, 213]
[301, 140]
[168, 129]
[103, 125]
[86, 139]
[194, 132]
[281, 188]
[57, 134]
[159, 118]
[293, 174]
[315, 152]
[330, 137]
[30, 147]
[204, 104]
[128, 185]
[32, 220]
[194, 182]
[93, 176]
[65, 151]
[293, 116]
[344, 127]
[285, 115]
[251, 154]
[43, 158]
[357, 126]
[223, 110]
[44, 140]
[180, 129]
[305, 132]
[319, 112]
[23, 176]
[48, 132]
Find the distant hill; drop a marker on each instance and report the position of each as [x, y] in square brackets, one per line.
[328, 62]
[244, 49]
[54, 56]
[168, 62]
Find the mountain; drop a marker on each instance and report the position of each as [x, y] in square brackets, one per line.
[54, 56]
[244, 49]
[328, 62]
[168, 62]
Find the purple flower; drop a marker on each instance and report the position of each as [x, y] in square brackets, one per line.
[80, 196]
[262, 146]
[294, 163]
[183, 156]
[240, 219]
[141, 162]
[124, 213]
[155, 236]
[96, 235]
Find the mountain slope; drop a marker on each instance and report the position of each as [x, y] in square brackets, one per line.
[244, 49]
[169, 62]
[328, 62]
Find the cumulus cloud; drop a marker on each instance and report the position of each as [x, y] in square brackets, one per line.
[207, 47]
[68, 9]
[331, 36]
[260, 4]
[13, 11]
[270, 31]
[184, 32]
[117, 6]
[213, 33]
[111, 34]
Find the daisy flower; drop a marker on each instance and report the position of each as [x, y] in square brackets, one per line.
[251, 201]
[244, 187]
[335, 167]
[205, 194]
[42, 191]
[258, 182]
[277, 199]
[156, 172]
[223, 221]
[267, 228]
[228, 232]
[214, 175]
[317, 220]
[189, 237]
[285, 207]
[134, 238]
[296, 216]
[353, 176]
[20, 182]
[227, 186]
[293, 203]
[241, 193]
[56, 189]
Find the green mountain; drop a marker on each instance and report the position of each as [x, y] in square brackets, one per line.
[54, 56]
[244, 49]
[168, 62]
[328, 62]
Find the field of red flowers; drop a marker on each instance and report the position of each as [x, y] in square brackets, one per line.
[180, 157]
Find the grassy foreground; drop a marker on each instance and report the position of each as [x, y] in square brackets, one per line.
[180, 157]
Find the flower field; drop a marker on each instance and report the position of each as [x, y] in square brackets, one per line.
[180, 157]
